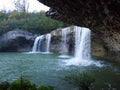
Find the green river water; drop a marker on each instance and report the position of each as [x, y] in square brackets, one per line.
[48, 69]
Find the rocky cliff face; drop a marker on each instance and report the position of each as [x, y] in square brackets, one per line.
[16, 40]
[86, 13]
[101, 16]
[99, 48]
[56, 40]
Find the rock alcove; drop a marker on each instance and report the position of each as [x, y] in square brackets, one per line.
[101, 16]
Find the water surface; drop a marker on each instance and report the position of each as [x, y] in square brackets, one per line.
[49, 69]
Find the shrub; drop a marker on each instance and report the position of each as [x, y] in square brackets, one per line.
[46, 88]
[83, 80]
[4, 85]
[22, 84]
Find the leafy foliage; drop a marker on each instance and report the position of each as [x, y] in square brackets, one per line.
[4, 85]
[32, 22]
[22, 84]
[83, 80]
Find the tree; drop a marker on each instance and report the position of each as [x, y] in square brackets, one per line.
[21, 5]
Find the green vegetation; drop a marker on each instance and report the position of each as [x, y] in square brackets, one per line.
[4, 85]
[32, 22]
[46, 88]
[22, 84]
[82, 81]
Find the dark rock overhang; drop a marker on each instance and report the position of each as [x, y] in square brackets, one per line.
[88, 13]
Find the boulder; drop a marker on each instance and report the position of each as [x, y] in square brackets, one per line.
[16, 41]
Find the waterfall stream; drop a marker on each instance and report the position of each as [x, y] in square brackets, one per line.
[37, 43]
[82, 43]
[48, 40]
[64, 49]
[82, 49]
[37, 47]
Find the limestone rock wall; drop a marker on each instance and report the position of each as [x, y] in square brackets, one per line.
[56, 40]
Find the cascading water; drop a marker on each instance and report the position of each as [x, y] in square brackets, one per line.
[64, 51]
[37, 44]
[82, 54]
[37, 47]
[82, 43]
[48, 39]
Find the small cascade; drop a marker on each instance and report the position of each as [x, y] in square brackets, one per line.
[37, 44]
[48, 40]
[42, 44]
[64, 51]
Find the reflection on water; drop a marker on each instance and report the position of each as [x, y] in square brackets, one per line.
[44, 69]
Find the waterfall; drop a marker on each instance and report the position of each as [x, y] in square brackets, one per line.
[81, 40]
[48, 39]
[82, 43]
[64, 50]
[37, 43]
[82, 52]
